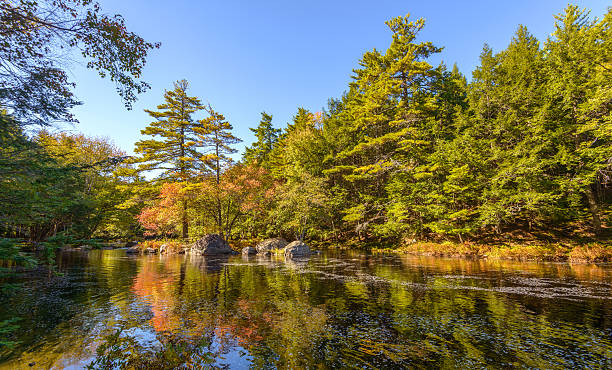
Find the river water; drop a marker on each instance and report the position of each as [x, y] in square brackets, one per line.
[334, 310]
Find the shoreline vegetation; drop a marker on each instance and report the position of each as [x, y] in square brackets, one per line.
[588, 253]
[514, 162]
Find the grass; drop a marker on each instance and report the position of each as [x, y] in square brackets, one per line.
[592, 252]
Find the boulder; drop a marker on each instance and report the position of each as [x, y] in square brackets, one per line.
[265, 246]
[297, 249]
[132, 250]
[131, 244]
[149, 251]
[211, 244]
[247, 251]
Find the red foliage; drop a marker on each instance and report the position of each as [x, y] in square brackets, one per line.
[163, 218]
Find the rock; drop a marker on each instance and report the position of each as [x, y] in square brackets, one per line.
[132, 250]
[211, 244]
[85, 247]
[248, 251]
[267, 245]
[149, 251]
[131, 244]
[297, 249]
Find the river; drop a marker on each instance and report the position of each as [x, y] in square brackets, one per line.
[333, 310]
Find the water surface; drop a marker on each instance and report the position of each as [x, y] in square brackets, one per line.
[335, 310]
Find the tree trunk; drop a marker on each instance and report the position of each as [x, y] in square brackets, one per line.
[183, 171]
[594, 208]
[185, 221]
[218, 178]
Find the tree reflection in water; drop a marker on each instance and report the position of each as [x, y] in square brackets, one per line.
[349, 310]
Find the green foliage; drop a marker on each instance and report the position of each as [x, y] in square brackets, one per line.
[187, 149]
[410, 151]
[173, 146]
[267, 137]
[415, 151]
[7, 327]
[215, 137]
[54, 183]
[11, 254]
[34, 82]
[121, 351]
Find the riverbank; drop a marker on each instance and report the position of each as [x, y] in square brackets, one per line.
[588, 253]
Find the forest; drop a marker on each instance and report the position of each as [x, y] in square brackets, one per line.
[412, 153]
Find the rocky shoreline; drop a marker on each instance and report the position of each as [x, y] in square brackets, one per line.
[214, 244]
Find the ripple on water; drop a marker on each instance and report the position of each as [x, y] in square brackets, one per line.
[327, 311]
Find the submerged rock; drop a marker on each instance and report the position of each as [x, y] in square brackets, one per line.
[132, 250]
[267, 245]
[297, 249]
[247, 251]
[211, 244]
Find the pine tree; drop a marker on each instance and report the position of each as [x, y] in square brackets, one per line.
[173, 150]
[215, 137]
[578, 99]
[390, 108]
[267, 136]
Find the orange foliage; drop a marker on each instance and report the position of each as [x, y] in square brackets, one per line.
[242, 190]
[152, 286]
[163, 218]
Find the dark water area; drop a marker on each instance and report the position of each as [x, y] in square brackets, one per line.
[334, 310]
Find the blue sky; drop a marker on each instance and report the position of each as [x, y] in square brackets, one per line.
[245, 57]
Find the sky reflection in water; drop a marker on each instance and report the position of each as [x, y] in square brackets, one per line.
[332, 310]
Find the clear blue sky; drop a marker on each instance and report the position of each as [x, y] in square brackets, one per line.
[245, 57]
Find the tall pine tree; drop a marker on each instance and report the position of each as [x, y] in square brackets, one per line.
[214, 135]
[267, 136]
[579, 106]
[173, 149]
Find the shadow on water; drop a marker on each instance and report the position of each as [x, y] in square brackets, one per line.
[331, 310]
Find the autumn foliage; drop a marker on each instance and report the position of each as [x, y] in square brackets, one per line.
[242, 192]
[164, 216]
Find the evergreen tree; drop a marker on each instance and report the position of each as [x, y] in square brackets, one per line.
[267, 136]
[578, 114]
[214, 134]
[389, 106]
[173, 148]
